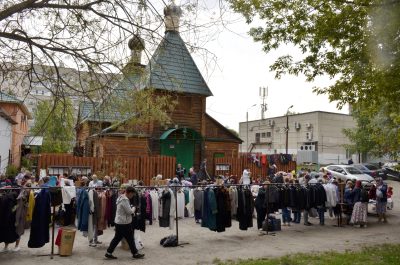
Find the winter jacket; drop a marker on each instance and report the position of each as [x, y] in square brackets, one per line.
[124, 211]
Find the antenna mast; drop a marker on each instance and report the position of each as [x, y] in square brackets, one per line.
[263, 91]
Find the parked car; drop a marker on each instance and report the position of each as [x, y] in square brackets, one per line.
[348, 172]
[371, 169]
[392, 170]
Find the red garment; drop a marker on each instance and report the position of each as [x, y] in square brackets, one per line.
[390, 192]
[58, 239]
[264, 159]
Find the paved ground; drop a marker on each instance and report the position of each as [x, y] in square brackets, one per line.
[205, 246]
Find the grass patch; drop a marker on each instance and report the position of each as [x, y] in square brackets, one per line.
[380, 254]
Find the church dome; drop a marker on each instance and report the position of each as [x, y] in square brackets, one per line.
[136, 43]
[173, 10]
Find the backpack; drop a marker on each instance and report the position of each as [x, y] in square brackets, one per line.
[364, 197]
[169, 241]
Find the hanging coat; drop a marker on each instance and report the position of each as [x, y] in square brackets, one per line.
[20, 216]
[8, 232]
[165, 208]
[83, 211]
[41, 220]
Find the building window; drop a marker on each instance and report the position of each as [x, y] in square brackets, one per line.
[263, 135]
[268, 134]
[219, 155]
[257, 138]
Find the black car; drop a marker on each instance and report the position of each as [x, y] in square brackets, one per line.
[371, 169]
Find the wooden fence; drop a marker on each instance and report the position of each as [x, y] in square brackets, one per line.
[140, 168]
[236, 166]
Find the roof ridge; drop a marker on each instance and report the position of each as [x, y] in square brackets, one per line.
[172, 67]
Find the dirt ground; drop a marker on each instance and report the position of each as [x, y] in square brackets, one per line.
[205, 246]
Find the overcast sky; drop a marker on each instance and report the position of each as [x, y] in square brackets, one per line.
[242, 68]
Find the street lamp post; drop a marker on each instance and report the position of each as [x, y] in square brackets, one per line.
[287, 128]
[247, 127]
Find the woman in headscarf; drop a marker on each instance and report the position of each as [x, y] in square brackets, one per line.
[359, 215]
[348, 199]
[381, 199]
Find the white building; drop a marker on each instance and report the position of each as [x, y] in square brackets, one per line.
[6, 123]
[315, 137]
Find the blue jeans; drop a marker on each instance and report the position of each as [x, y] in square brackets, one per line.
[286, 215]
[297, 216]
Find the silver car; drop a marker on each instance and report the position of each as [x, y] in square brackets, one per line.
[348, 172]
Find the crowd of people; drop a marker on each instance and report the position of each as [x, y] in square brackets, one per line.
[354, 205]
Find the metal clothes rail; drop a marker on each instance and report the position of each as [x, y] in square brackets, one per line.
[174, 187]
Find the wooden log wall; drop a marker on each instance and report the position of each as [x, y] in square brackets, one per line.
[237, 166]
[140, 168]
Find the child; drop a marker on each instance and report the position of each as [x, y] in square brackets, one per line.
[389, 198]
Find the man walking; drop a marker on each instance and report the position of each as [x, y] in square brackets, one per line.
[123, 226]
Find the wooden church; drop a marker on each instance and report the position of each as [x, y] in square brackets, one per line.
[193, 134]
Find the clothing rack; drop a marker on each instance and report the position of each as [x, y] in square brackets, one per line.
[53, 217]
[175, 189]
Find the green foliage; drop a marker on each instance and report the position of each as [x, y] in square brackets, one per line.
[26, 163]
[377, 131]
[54, 121]
[139, 108]
[354, 42]
[377, 255]
[233, 131]
[11, 171]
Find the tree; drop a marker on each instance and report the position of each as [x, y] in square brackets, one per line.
[353, 41]
[233, 131]
[78, 48]
[55, 122]
[376, 132]
[356, 43]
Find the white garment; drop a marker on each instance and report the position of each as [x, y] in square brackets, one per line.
[172, 211]
[313, 181]
[246, 177]
[91, 227]
[95, 184]
[255, 189]
[190, 205]
[154, 203]
[68, 193]
[181, 204]
[331, 195]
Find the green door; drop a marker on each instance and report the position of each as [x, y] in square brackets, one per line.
[182, 149]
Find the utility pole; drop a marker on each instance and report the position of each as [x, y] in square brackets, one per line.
[247, 127]
[287, 128]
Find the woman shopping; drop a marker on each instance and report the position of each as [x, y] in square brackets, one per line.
[123, 227]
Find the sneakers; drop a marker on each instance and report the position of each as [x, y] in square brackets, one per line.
[98, 242]
[92, 245]
[138, 256]
[16, 249]
[110, 256]
[308, 224]
[284, 224]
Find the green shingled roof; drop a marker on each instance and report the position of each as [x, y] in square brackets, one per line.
[8, 98]
[172, 68]
[90, 111]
